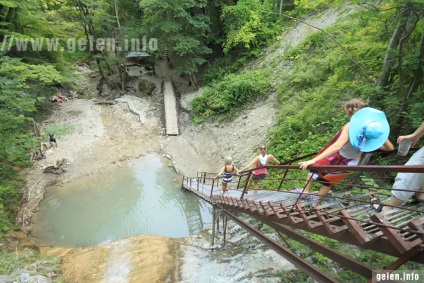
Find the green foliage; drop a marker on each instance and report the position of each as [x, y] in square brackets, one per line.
[247, 24]
[219, 68]
[181, 28]
[59, 130]
[369, 181]
[323, 76]
[368, 257]
[9, 199]
[19, 106]
[315, 4]
[224, 97]
[29, 260]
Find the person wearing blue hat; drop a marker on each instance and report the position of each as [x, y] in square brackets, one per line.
[367, 131]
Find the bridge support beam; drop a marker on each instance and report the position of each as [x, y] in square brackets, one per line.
[298, 261]
[213, 226]
[216, 213]
[349, 263]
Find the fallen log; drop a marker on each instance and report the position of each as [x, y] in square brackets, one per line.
[38, 155]
[104, 102]
[56, 168]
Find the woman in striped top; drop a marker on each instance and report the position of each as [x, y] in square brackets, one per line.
[227, 173]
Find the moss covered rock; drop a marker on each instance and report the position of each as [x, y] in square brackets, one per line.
[146, 86]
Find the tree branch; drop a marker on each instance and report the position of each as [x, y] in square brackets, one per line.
[408, 31]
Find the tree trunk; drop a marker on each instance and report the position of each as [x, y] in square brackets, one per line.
[389, 59]
[89, 31]
[36, 128]
[416, 82]
[193, 81]
[410, 26]
[122, 73]
[418, 77]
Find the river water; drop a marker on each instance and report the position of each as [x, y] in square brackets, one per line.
[141, 196]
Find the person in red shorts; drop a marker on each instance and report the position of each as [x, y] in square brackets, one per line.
[261, 160]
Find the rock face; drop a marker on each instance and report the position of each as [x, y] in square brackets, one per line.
[140, 258]
[146, 87]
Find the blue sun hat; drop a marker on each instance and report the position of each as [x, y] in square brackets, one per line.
[368, 129]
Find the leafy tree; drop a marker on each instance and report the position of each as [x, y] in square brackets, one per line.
[95, 19]
[17, 106]
[246, 24]
[181, 28]
[402, 70]
[228, 94]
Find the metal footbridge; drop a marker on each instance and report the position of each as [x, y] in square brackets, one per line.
[346, 214]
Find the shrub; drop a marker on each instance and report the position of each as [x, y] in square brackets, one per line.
[230, 93]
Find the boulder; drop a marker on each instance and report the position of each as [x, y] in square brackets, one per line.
[146, 86]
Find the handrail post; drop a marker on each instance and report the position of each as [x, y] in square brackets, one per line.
[282, 179]
[238, 183]
[213, 182]
[248, 178]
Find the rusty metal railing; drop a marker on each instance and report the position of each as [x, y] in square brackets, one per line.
[401, 235]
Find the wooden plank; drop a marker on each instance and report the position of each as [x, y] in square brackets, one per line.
[171, 113]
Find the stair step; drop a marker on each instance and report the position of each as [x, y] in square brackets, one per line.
[267, 209]
[357, 230]
[278, 211]
[292, 214]
[398, 242]
[309, 216]
[333, 224]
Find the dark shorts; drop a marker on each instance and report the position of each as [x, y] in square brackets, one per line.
[323, 181]
[258, 177]
[328, 179]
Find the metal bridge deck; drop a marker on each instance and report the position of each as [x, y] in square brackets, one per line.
[171, 113]
[343, 217]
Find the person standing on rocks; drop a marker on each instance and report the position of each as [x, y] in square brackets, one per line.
[52, 140]
[260, 174]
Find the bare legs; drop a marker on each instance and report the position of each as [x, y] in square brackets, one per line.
[323, 191]
[309, 184]
[394, 201]
[224, 188]
[249, 183]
